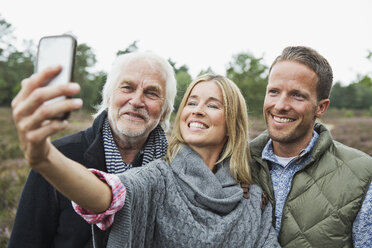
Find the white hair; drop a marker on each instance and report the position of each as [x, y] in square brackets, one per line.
[152, 60]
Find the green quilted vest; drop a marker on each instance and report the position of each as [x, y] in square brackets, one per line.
[326, 193]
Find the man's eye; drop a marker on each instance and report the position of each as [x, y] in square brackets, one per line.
[126, 87]
[272, 91]
[152, 94]
[298, 95]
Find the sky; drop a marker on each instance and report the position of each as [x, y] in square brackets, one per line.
[205, 33]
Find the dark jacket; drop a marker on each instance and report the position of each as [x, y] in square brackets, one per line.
[325, 196]
[44, 217]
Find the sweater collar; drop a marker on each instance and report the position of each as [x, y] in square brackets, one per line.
[268, 151]
[323, 142]
[201, 186]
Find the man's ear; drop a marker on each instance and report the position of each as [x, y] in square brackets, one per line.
[163, 115]
[322, 108]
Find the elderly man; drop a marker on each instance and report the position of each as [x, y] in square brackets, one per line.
[128, 131]
[320, 189]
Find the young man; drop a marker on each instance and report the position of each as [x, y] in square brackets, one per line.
[321, 189]
[128, 131]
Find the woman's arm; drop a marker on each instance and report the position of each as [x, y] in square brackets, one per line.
[267, 237]
[35, 124]
[75, 181]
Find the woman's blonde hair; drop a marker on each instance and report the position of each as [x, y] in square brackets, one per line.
[237, 146]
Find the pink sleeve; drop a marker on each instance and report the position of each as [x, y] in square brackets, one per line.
[105, 219]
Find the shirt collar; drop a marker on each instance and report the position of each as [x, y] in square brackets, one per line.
[268, 151]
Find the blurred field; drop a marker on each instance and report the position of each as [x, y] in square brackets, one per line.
[13, 167]
[351, 128]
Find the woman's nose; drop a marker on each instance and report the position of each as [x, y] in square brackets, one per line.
[198, 110]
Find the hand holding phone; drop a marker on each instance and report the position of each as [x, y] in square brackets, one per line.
[53, 51]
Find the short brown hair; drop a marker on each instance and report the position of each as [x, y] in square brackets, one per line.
[316, 62]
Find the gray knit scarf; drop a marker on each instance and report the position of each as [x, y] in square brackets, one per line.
[187, 205]
[155, 147]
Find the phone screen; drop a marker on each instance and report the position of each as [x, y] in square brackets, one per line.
[53, 51]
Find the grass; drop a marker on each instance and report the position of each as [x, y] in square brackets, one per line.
[353, 131]
[14, 169]
[13, 174]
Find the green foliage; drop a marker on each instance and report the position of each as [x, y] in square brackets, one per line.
[85, 59]
[249, 73]
[209, 70]
[14, 65]
[6, 38]
[17, 65]
[369, 56]
[183, 80]
[349, 114]
[357, 95]
[91, 83]
[131, 48]
[337, 96]
[92, 90]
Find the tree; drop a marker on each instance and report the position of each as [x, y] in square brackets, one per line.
[91, 83]
[336, 97]
[369, 55]
[208, 70]
[6, 38]
[92, 90]
[183, 80]
[249, 73]
[131, 48]
[19, 66]
[357, 95]
[14, 65]
[364, 92]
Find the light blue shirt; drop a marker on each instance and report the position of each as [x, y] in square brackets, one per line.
[282, 176]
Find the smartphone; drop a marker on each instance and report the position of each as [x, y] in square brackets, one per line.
[53, 51]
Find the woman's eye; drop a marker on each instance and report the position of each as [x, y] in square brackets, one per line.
[190, 103]
[213, 106]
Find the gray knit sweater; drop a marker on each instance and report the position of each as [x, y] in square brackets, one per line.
[186, 205]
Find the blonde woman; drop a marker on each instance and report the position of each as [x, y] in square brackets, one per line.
[193, 197]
